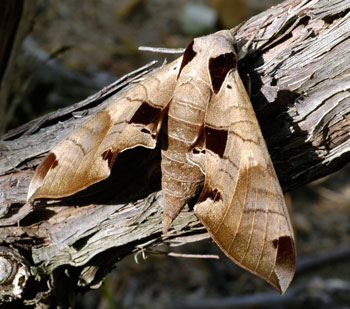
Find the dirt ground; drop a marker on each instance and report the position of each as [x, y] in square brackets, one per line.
[100, 39]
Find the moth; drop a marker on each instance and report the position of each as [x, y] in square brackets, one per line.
[211, 144]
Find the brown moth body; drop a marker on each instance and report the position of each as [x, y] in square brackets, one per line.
[211, 141]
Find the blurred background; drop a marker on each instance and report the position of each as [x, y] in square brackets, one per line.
[73, 49]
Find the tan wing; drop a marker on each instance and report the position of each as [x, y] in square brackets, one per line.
[87, 155]
[242, 204]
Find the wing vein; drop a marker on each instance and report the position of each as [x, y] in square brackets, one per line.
[242, 211]
[234, 190]
[252, 226]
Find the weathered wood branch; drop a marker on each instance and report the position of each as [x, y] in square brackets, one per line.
[299, 65]
[15, 18]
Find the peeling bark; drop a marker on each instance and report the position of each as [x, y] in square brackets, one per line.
[299, 65]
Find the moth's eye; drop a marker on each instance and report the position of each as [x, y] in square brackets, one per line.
[189, 54]
[219, 67]
[229, 86]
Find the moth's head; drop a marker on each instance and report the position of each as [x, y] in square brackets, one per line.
[218, 51]
[214, 45]
[222, 57]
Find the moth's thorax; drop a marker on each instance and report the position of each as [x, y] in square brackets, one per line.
[187, 109]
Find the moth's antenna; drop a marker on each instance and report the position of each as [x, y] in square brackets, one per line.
[162, 50]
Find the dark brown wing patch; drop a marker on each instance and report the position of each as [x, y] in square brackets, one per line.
[49, 163]
[109, 156]
[219, 67]
[145, 114]
[285, 247]
[189, 54]
[215, 140]
[214, 195]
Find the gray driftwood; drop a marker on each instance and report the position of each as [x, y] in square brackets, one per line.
[299, 67]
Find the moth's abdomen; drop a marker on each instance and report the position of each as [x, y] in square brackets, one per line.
[181, 180]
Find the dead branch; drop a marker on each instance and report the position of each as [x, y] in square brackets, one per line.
[299, 68]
